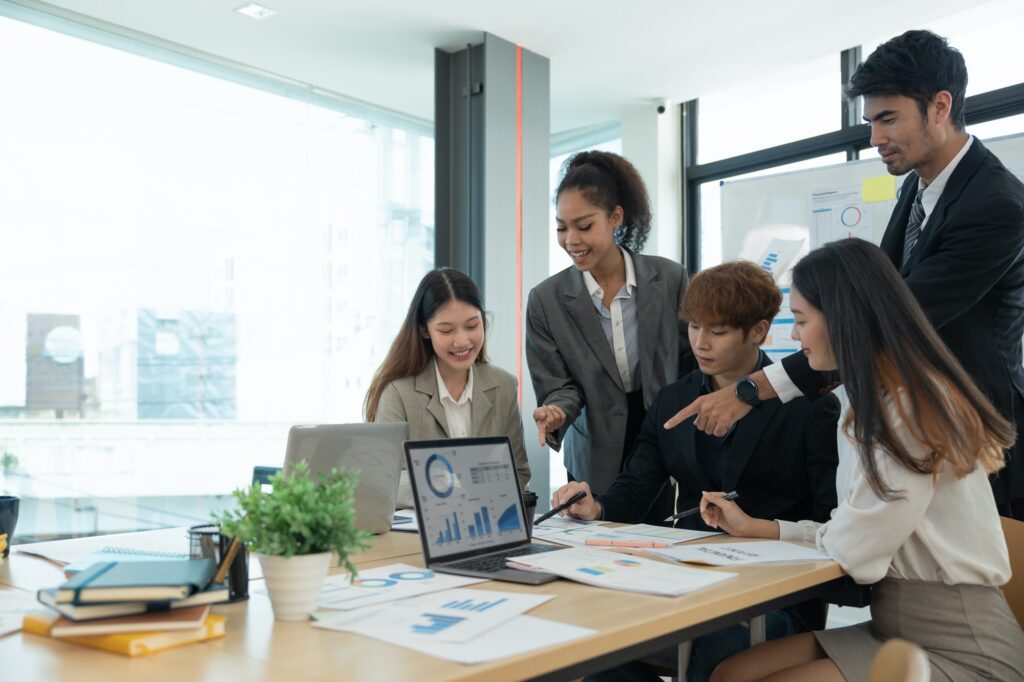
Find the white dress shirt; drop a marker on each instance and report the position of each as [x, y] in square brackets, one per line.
[939, 528]
[776, 374]
[459, 412]
[619, 322]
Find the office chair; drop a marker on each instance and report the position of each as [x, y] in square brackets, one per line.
[261, 475]
[1014, 590]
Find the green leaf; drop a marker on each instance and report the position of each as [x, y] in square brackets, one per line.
[299, 515]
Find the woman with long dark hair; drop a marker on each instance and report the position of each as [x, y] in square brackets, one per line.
[916, 514]
[603, 336]
[436, 376]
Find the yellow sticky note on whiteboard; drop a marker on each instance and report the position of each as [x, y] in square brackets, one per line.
[879, 188]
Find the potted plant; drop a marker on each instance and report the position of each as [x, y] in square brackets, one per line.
[294, 529]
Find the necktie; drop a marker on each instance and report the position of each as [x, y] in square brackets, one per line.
[913, 227]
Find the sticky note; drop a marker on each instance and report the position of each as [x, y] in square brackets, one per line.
[879, 188]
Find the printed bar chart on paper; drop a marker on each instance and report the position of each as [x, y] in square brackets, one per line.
[437, 624]
[471, 605]
[456, 615]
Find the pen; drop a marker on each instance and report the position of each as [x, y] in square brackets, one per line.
[690, 512]
[225, 563]
[565, 505]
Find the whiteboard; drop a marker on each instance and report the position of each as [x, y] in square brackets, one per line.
[815, 206]
[819, 203]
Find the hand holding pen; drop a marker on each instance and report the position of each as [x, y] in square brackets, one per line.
[719, 511]
[575, 498]
[699, 509]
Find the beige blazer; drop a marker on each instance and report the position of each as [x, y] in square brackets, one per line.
[495, 412]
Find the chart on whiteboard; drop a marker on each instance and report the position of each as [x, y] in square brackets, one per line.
[838, 213]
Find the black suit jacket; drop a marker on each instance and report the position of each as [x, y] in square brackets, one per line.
[782, 463]
[967, 272]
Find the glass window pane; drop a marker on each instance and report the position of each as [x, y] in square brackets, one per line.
[1011, 125]
[711, 204]
[984, 35]
[189, 267]
[726, 127]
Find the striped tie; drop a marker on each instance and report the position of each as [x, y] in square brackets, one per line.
[913, 227]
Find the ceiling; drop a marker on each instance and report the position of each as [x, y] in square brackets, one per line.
[607, 57]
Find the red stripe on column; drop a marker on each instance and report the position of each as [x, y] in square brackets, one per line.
[519, 220]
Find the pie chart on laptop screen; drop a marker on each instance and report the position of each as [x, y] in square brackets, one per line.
[440, 476]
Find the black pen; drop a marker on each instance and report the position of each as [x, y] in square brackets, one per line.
[690, 512]
[565, 505]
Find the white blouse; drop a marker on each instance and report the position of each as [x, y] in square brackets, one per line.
[938, 529]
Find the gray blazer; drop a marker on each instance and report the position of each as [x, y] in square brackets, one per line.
[495, 412]
[573, 367]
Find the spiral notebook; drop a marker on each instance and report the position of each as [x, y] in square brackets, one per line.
[118, 554]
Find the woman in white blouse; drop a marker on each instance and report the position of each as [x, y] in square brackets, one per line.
[916, 515]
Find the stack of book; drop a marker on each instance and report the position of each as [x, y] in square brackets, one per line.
[134, 607]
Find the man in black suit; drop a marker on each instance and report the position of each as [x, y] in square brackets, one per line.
[956, 235]
[780, 458]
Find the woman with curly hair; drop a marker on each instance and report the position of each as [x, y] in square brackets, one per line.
[603, 336]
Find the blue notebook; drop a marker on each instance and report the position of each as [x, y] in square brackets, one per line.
[214, 593]
[118, 554]
[118, 581]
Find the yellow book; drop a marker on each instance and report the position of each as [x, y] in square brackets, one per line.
[3, 543]
[129, 643]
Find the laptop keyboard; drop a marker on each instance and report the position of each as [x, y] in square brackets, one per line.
[490, 563]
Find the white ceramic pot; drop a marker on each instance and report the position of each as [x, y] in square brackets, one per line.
[294, 583]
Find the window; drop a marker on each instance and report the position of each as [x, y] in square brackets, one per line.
[189, 266]
[797, 103]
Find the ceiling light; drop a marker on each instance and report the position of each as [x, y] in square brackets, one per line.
[255, 11]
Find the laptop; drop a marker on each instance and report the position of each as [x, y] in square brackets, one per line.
[374, 449]
[470, 509]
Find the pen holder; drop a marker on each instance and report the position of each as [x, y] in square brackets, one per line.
[530, 507]
[206, 542]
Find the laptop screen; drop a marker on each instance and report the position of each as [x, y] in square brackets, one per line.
[468, 495]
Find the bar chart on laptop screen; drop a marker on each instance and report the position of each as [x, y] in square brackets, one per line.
[468, 497]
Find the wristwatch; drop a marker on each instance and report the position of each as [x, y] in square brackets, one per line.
[746, 390]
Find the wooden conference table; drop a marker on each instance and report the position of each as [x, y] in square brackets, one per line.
[257, 648]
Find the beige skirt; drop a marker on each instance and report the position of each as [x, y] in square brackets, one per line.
[968, 631]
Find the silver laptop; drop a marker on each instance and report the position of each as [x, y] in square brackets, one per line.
[374, 449]
[470, 509]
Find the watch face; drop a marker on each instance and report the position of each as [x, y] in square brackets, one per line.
[746, 389]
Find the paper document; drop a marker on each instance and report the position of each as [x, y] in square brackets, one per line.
[451, 616]
[740, 553]
[63, 552]
[563, 522]
[514, 638]
[385, 584]
[779, 254]
[405, 521]
[670, 535]
[639, 535]
[165, 541]
[838, 213]
[14, 604]
[618, 571]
